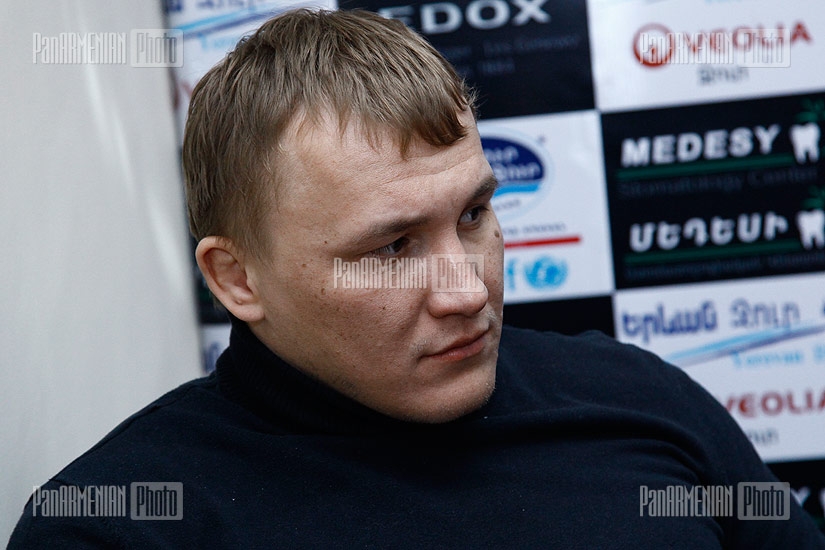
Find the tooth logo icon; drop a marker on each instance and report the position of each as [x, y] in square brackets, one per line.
[811, 224]
[805, 139]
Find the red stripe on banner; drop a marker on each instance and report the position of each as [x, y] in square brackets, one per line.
[545, 242]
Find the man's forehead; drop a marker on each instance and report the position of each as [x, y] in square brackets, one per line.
[319, 131]
[337, 143]
[319, 158]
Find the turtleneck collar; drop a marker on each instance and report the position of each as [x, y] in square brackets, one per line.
[250, 374]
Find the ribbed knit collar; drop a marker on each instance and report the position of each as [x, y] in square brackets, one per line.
[250, 374]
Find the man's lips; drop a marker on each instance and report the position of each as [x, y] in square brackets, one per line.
[461, 348]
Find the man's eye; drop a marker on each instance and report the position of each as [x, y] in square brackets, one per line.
[473, 214]
[392, 249]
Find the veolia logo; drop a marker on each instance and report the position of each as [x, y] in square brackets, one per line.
[522, 167]
[655, 45]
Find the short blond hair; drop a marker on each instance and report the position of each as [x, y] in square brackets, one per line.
[354, 64]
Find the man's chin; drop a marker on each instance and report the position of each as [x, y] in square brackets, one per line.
[451, 403]
[450, 413]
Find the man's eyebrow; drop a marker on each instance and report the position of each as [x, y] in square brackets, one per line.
[488, 186]
[381, 230]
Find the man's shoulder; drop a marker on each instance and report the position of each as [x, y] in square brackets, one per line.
[149, 445]
[594, 368]
[588, 351]
[145, 442]
[546, 340]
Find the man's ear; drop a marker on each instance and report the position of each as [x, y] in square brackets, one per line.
[224, 268]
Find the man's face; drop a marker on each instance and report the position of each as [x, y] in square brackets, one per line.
[411, 353]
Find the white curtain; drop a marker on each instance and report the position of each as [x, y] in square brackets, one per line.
[97, 313]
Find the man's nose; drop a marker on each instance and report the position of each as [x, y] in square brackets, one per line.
[457, 285]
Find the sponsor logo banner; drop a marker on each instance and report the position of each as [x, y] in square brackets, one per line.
[515, 52]
[551, 205]
[757, 345]
[718, 191]
[679, 52]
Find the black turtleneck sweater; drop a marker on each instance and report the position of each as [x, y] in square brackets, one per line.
[576, 428]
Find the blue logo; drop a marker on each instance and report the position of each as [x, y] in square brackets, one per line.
[542, 273]
[522, 167]
[546, 272]
[670, 323]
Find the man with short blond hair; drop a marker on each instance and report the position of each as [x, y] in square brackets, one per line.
[371, 396]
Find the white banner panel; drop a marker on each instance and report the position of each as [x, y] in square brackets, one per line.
[757, 345]
[551, 204]
[648, 54]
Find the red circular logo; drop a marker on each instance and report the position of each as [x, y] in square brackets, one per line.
[653, 45]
